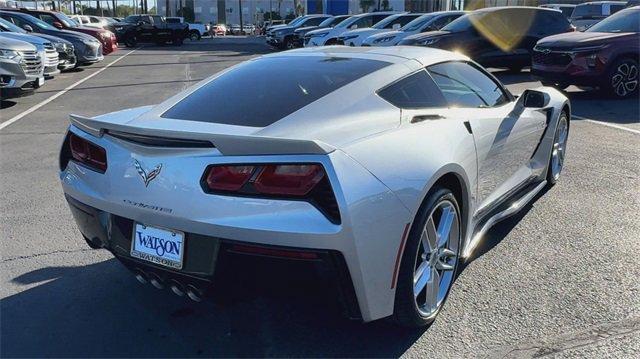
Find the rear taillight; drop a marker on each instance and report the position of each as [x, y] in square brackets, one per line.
[87, 153]
[228, 178]
[305, 181]
[288, 180]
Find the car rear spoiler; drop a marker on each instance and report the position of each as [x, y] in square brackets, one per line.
[228, 145]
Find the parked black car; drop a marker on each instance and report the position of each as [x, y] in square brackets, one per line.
[330, 22]
[87, 49]
[149, 28]
[496, 37]
[283, 37]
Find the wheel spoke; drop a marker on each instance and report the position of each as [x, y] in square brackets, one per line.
[433, 287]
[429, 236]
[444, 227]
[420, 279]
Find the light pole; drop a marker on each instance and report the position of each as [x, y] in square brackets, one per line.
[241, 27]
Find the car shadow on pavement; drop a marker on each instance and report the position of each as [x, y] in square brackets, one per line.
[7, 104]
[101, 310]
[499, 231]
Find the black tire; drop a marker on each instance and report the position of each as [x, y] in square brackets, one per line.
[406, 311]
[288, 44]
[552, 178]
[622, 78]
[131, 41]
[194, 35]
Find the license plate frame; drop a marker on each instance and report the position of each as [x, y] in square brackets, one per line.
[161, 233]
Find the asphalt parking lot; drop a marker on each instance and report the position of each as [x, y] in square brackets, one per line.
[559, 279]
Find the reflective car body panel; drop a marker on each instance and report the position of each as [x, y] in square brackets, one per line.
[380, 160]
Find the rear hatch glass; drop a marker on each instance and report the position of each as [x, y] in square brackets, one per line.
[261, 92]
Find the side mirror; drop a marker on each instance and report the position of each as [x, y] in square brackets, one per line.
[57, 24]
[535, 99]
[396, 26]
[353, 27]
[27, 28]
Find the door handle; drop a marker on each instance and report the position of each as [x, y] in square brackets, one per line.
[421, 118]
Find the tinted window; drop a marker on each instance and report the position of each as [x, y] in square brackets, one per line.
[366, 21]
[172, 20]
[415, 91]
[261, 92]
[464, 85]
[418, 23]
[623, 21]
[587, 11]
[550, 22]
[315, 21]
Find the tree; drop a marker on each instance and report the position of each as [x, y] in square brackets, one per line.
[366, 4]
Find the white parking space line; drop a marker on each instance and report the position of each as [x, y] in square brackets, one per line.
[60, 93]
[637, 132]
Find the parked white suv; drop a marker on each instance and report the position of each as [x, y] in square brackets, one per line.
[329, 36]
[590, 13]
[196, 31]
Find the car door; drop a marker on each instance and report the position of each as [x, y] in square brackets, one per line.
[146, 32]
[505, 133]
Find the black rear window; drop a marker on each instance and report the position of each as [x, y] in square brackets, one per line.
[261, 92]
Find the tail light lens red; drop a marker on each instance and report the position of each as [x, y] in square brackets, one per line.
[88, 153]
[303, 181]
[228, 178]
[288, 180]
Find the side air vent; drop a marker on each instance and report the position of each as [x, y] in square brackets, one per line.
[160, 141]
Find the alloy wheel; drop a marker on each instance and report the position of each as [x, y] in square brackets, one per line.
[559, 147]
[436, 259]
[624, 80]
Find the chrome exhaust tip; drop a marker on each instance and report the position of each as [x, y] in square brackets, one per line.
[177, 288]
[193, 293]
[140, 276]
[156, 281]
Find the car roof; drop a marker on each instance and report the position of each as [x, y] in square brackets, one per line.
[395, 54]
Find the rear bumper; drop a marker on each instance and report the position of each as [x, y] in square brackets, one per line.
[207, 259]
[369, 235]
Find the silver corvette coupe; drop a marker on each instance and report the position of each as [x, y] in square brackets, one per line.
[385, 166]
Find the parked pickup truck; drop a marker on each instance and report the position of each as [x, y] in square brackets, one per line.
[196, 31]
[149, 28]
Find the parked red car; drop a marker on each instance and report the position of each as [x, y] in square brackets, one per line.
[604, 56]
[62, 21]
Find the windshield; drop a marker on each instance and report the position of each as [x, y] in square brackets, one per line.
[391, 21]
[132, 19]
[7, 26]
[461, 24]
[587, 11]
[348, 22]
[418, 23]
[66, 20]
[245, 96]
[623, 21]
[41, 24]
[297, 20]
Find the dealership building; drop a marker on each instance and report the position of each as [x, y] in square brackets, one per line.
[228, 11]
